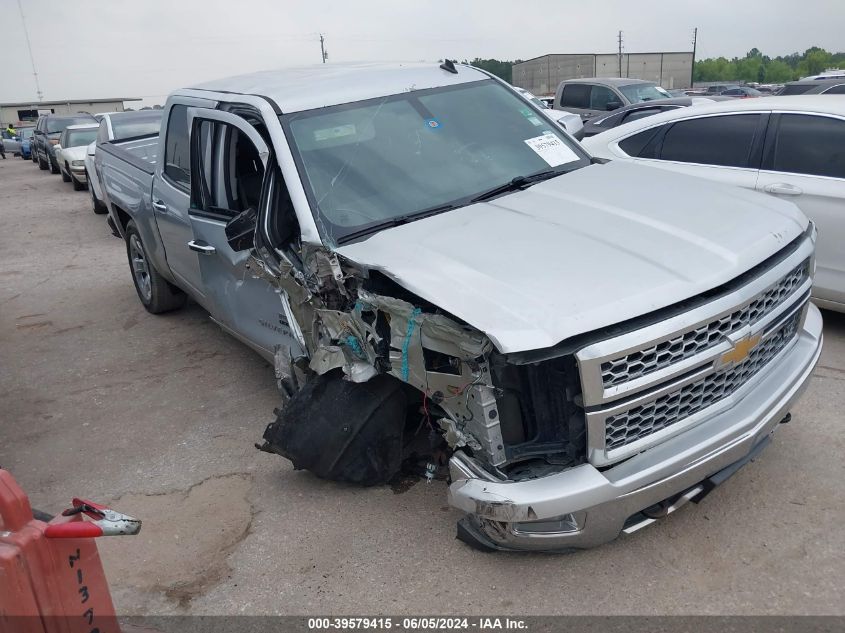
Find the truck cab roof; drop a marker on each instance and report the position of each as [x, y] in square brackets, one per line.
[321, 85]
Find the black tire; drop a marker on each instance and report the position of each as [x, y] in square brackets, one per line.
[156, 294]
[54, 168]
[34, 157]
[65, 175]
[42, 164]
[77, 186]
[341, 430]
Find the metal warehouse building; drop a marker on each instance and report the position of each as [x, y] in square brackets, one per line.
[29, 110]
[542, 75]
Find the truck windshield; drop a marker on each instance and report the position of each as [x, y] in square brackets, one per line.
[637, 93]
[55, 126]
[394, 159]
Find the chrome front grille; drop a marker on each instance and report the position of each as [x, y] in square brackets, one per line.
[636, 364]
[645, 419]
[645, 385]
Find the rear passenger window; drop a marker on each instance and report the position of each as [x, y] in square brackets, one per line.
[716, 140]
[643, 144]
[576, 96]
[836, 90]
[177, 152]
[808, 144]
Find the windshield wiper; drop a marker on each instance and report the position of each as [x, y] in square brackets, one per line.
[517, 184]
[397, 221]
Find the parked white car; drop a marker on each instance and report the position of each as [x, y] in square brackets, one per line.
[116, 126]
[70, 153]
[788, 147]
[570, 122]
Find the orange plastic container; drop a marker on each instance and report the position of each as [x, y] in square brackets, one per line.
[48, 585]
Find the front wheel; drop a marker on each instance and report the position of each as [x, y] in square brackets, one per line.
[42, 164]
[65, 175]
[155, 292]
[77, 186]
[54, 168]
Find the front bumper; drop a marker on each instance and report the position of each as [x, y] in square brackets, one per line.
[593, 507]
[79, 173]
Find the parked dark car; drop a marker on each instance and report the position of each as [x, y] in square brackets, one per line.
[718, 89]
[742, 92]
[814, 87]
[47, 132]
[606, 121]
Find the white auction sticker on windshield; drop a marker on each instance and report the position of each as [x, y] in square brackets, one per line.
[552, 150]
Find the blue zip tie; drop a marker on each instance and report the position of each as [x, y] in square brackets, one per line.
[355, 346]
[411, 323]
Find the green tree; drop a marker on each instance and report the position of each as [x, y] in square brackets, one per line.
[758, 67]
[499, 68]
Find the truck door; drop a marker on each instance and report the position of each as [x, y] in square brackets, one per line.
[171, 198]
[230, 159]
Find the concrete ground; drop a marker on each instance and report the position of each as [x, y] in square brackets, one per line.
[157, 416]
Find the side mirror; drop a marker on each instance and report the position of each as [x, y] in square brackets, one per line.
[613, 105]
[240, 231]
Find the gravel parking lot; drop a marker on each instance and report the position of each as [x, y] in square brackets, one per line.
[157, 416]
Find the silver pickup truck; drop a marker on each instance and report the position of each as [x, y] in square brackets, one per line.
[446, 281]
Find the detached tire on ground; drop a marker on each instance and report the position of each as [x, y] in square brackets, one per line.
[155, 292]
[341, 430]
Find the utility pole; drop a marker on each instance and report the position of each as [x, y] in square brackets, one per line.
[31, 58]
[692, 66]
[323, 54]
[619, 56]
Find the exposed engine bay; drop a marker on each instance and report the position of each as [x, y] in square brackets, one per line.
[380, 366]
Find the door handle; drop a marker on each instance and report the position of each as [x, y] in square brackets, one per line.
[201, 247]
[158, 205]
[783, 189]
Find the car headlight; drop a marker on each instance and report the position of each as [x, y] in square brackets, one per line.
[78, 163]
[54, 141]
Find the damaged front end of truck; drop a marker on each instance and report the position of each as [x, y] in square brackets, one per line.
[388, 382]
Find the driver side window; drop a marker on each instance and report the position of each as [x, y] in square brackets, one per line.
[600, 97]
[230, 171]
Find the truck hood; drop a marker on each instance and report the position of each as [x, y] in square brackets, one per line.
[582, 251]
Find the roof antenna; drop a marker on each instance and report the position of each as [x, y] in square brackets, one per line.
[449, 66]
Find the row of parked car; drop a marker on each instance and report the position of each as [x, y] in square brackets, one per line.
[67, 144]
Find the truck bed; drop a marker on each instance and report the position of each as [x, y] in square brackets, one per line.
[140, 151]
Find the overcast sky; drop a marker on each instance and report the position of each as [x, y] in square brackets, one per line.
[146, 48]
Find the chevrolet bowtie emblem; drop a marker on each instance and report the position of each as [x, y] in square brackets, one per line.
[741, 350]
